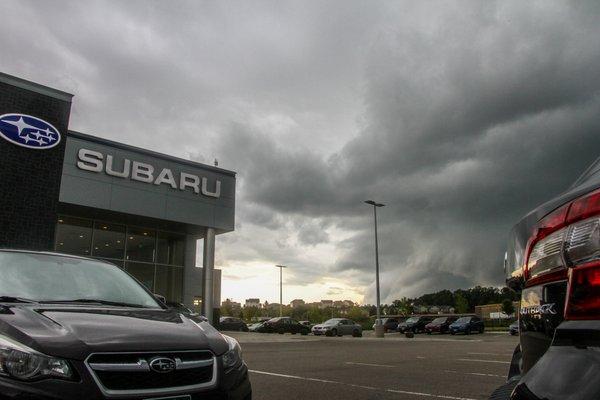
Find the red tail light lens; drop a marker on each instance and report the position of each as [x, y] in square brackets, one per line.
[584, 207]
[570, 237]
[584, 292]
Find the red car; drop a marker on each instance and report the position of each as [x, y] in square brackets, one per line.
[439, 325]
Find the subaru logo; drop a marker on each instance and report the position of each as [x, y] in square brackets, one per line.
[27, 131]
[162, 365]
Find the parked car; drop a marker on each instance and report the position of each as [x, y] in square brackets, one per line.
[439, 325]
[513, 329]
[389, 324]
[75, 328]
[467, 325]
[307, 323]
[553, 261]
[256, 327]
[414, 324]
[285, 325]
[232, 324]
[338, 327]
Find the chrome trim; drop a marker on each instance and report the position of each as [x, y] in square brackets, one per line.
[160, 391]
[141, 365]
[192, 364]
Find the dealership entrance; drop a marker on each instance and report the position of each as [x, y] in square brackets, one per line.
[146, 212]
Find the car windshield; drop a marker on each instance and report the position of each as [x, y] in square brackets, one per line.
[438, 321]
[463, 320]
[273, 320]
[333, 321]
[412, 320]
[52, 278]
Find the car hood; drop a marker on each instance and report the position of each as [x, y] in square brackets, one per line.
[458, 325]
[75, 332]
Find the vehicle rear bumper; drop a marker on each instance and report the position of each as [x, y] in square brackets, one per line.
[570, 368]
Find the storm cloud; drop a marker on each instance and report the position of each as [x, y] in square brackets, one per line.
[460, 117]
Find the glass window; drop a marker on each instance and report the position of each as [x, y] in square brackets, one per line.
[140, 244]
[109, 240]
[73, 236]
[169, 282]
[170, 248]
[62, 278]
[142, 272]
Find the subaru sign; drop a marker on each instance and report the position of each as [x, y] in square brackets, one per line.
[27, 131]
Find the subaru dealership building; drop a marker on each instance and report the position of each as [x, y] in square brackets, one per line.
[79, 194]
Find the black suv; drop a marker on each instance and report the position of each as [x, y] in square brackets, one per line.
[284, 325]
[414, 324]
[78, 328]
[553, 260]
[232, 324]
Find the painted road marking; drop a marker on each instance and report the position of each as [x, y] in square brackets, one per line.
[370, 365]
[487, 361]
[475, 374]
[435, 396]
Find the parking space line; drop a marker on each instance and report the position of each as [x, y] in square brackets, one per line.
[490, 354]
[475, 374]
[430, 395]
[370, 365]
[486, 361]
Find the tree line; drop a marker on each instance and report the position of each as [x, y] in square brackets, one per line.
[462, 300]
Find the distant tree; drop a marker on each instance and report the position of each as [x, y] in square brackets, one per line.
[226, 309]
[461, 304]
[508, 307]
[404, 306]
[250, 312]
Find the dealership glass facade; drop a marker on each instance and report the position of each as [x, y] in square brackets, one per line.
[155, 258]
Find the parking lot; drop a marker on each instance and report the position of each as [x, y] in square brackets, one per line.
[426, 367]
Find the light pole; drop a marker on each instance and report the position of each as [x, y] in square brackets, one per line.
[281, 267]
[378, 325]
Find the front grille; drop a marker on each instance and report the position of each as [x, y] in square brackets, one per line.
[131, 373]
[154, 380]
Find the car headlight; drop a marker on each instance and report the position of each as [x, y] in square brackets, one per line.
[21, 362]
[234, 355]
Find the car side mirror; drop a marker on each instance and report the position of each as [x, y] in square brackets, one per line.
[160, 298]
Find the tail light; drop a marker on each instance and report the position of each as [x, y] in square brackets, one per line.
[570, 237]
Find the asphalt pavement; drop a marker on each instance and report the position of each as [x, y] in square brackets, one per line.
[427, 367]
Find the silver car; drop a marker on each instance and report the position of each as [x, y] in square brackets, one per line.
[338, 327]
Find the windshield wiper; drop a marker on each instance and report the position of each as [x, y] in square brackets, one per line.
[12, 299]
[95, 301]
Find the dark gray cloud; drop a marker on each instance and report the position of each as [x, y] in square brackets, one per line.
[460, 117]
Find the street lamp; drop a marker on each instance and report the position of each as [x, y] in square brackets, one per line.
[281, 267]
[378, 325]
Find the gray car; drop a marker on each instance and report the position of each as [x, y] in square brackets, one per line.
[338, 327]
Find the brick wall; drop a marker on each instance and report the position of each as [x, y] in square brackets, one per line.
[29, 178]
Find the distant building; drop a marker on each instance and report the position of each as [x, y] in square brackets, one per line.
[232, 305]
[493, 311]
[326, 304]
[297, 303]
[252, 303]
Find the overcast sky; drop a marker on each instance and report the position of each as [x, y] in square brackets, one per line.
[459, 116]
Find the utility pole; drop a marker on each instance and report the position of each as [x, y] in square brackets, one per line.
[281, 267]
[378, 325]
